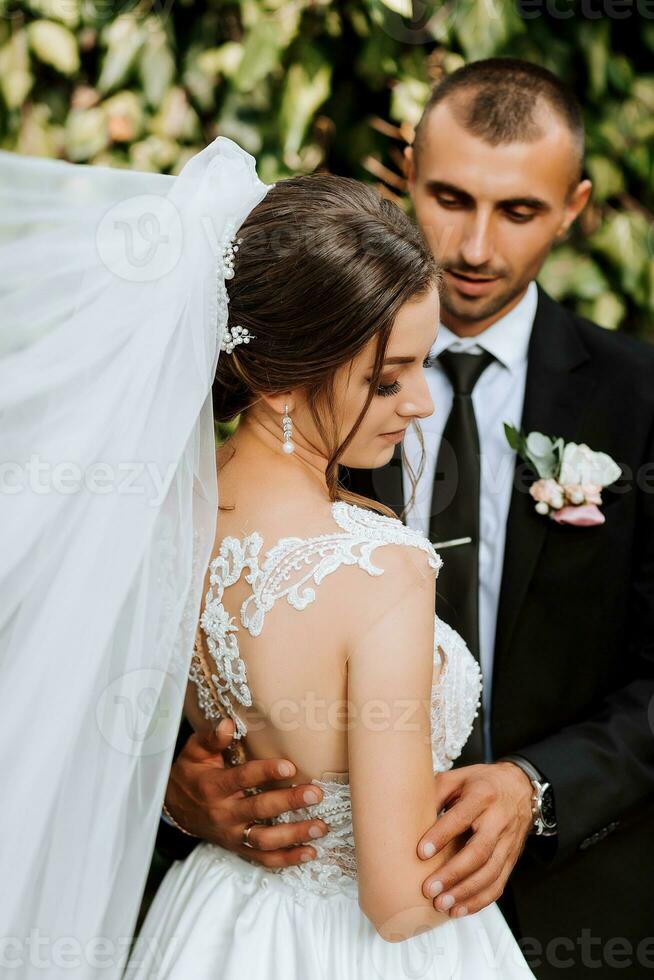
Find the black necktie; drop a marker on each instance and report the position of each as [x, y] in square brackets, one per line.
[455, 514]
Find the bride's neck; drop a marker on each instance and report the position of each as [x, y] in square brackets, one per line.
[259, 436]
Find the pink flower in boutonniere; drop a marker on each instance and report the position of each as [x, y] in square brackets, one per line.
[582, 515]
[549, 494]
[571, 477]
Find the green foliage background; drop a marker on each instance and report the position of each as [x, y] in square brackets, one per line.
[339, 84]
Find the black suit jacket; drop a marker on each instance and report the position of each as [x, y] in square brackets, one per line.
[573, 677]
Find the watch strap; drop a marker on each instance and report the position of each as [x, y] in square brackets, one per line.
[541, 825]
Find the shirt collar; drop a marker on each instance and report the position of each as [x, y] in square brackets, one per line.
[507, 339]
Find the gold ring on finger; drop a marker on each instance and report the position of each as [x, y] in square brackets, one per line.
[245, 836]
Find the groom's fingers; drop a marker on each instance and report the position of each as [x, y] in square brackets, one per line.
[266, 838]
[479, 864]
[203, 745]
[455, 821]
[256, 772]
[274, 802]
[477, 890]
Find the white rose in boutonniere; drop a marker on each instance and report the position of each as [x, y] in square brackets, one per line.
[580, 465]
[571, 476]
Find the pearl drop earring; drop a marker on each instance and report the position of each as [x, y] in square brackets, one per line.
[288, 446]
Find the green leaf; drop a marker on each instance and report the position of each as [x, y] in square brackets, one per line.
[177, 119]
[16, 79]
[608, 310]
[514, 437]
[620, 72]
[124, 39]
[156, 66]
[154, 154]
[595, 41]
[607, 177]
[566, 274]
[264, 46]
[125, 117]
[402, 7]
[483, 28]
[38, 136]
[68, 13]
[408, 100]
[85, 133]
[623, 240]
[308, 84]
[54, 45]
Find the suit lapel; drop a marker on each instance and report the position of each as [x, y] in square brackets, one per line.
[556, 394]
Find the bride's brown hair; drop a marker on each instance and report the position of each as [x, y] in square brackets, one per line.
[324, 266]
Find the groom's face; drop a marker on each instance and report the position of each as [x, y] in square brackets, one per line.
[492, 213]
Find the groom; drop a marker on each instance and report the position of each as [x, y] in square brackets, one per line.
[561, 617]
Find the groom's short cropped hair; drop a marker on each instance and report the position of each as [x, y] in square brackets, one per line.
[499, 99]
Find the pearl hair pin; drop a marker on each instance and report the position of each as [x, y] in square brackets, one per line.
[229, 254]
[233, 336]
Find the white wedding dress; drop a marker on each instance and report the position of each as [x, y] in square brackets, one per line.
[219, 917]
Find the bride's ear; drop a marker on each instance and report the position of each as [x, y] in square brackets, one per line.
[279, 402]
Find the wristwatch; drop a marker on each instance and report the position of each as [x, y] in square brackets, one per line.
[545, 824]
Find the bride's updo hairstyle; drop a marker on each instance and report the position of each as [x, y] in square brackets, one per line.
[324, 266]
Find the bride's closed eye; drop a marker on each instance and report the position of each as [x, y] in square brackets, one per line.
[394, 387]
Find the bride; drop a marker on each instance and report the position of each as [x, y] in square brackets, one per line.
[309, 307]
[317, 632]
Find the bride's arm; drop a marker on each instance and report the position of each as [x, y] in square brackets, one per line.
[390, 669]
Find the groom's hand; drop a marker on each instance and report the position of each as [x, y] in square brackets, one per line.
[208, 798]
[491, 804]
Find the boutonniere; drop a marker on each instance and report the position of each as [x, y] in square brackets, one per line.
[570, 477]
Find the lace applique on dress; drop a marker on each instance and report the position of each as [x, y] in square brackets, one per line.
[290, 570]
[455, 698]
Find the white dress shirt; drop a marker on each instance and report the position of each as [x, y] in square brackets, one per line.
[497, 398]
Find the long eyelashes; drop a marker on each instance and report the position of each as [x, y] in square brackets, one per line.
[385, 390]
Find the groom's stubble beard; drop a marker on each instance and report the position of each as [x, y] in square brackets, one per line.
[473, 310]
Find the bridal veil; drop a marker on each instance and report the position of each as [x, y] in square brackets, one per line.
[112, 303]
